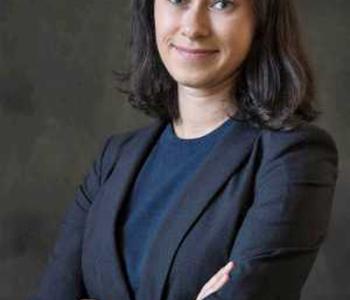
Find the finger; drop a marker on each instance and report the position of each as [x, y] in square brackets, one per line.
[224, 278]
[207, 291]
[216, 281]
[225, 269]
[220, 279]
[220, 283]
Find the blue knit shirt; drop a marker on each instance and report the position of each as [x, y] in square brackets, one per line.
[170, 164]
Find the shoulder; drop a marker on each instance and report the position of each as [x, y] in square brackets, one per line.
[307, 150]
[112, 146]
[306, 134]
[307, 137]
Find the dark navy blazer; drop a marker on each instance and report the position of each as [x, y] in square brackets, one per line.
[261, 198]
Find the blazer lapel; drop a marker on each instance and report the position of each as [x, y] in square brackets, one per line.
[223, 161]
[112, 275]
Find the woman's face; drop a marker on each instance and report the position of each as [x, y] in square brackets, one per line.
[225, 27]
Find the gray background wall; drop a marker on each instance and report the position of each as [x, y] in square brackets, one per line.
[58, 104]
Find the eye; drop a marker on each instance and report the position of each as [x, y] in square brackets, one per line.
[176, 2]
[217, 4]
[222, 4]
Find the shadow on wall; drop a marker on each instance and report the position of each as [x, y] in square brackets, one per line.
[25, 240]
[16, 93]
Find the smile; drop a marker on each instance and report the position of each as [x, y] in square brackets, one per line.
[194, 54]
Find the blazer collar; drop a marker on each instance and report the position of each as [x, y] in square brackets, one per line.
[223, 160]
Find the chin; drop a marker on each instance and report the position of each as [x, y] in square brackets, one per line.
[192, 81]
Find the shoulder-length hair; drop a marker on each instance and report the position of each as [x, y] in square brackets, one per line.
[274, 87]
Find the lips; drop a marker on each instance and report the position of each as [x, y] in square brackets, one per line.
[195, 51]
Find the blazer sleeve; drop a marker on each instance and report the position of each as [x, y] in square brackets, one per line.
[62, 277]
[287, 221]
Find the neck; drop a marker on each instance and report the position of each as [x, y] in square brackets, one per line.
[201, 111]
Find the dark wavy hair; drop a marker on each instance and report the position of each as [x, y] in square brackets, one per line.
[274, 88]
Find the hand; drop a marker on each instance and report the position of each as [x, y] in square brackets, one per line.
[216, 282]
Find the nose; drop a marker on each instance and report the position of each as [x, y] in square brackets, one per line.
[195, 23]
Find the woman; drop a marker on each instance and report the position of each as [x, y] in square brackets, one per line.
[228, 194]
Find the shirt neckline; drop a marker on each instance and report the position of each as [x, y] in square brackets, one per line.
[172, 137]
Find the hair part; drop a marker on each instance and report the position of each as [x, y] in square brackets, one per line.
[274, 88]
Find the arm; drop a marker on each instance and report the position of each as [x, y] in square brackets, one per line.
[62, 278]
[287, 222]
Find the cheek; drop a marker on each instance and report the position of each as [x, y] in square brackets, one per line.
[236, 39]
[164, 24]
